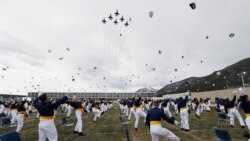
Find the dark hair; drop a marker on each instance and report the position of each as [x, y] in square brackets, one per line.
[43, 97]
[156, 103]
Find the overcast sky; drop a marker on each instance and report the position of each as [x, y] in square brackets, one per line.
[30, 29]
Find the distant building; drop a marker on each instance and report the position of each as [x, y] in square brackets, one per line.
[95, 95]
[11, 96]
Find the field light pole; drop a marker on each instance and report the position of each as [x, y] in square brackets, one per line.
[242, 78]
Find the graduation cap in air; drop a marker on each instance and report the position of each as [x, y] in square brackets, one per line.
[4, 69]
[182, 57]
[67, 49]
[218, 73]
[130, 19]
[151, 14]
[153, 69]
[49, 51]
[159, 51]
[192, 5]
[207, 37]
[231, 35]
[60, 58]
[175, 69]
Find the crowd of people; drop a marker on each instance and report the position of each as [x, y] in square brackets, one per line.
[154, 112]
[47, 108]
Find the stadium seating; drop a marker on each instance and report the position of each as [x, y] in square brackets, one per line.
[13, 136]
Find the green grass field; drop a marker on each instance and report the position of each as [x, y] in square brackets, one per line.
[109, 128]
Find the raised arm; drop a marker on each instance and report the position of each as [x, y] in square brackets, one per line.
[59, 102]
[165, 117]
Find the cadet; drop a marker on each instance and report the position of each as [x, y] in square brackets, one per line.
[153, 119]
[78, 111]
[138, 112]
[21, 116]
[232, 111]
[13, 111]
[182, 107]
[245, 105]
[47, 128]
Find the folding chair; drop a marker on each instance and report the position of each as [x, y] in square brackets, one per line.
[222, 117]
[6, 122]
[13, 136]
[222, 135]
[65, 122]
[218, 110]
[2, 115]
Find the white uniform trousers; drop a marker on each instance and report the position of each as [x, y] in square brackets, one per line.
[193, 105]
[20, 122]
[69, 110]
[97, 113]
[47, 129]
[13, 115]
[157, 130]
[138, 114]
[131, 111]
[78, 127]
[37, 114]
[234, 112]
[126, 110]
[167, 112]
[247, 120]
[7, 112]
[2, 108]
[184, 118]
[198, 110]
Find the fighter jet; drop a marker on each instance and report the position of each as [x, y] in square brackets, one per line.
[116, 13]
[115, 22]
[122, 19]
[110, 17]
[104, 21]
[126, 24]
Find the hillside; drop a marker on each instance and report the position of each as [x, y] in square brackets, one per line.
[228, 77]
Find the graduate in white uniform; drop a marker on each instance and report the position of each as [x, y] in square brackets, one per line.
[154, 119]
[47, 128]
